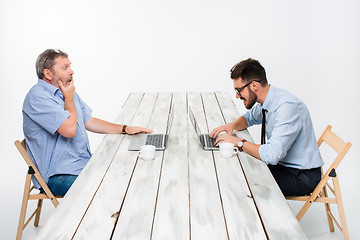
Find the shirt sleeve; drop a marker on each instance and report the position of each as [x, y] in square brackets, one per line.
[46, 112]
[254, 116]
[287, 126]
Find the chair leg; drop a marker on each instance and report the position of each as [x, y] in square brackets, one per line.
[341, 210]
[303, 210]
[38, 212]
[328, 210]
[23, 207]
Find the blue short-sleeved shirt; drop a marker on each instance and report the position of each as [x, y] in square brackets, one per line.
[291, 138]
[43, 113]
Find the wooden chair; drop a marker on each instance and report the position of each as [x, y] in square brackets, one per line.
[32, 171]
[320, 193]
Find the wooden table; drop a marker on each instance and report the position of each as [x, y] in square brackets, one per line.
[184, 193]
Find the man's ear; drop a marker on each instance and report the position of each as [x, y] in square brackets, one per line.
[255, 86]
[47, 74]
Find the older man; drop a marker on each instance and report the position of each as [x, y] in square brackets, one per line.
[55, 120]
[291, 151]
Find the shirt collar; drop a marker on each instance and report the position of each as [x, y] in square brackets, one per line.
[50, 88]
[269, 98]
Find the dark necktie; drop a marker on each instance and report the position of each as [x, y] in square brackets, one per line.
[263, 127]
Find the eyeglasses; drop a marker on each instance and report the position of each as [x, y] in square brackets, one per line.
[53, 53]
[238, 90]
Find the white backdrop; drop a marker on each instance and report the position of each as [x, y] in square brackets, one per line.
[310, 48]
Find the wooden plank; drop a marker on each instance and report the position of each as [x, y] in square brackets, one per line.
[65, 220]
[277, 217]
[171, 220]
[206, 214]
[136, 215]
[242, 218]
[110, 195]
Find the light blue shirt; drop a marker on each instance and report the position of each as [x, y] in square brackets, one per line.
[43, 113]
[289, 130]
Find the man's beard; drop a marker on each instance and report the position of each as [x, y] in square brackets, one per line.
[251, 100]
[56, 78]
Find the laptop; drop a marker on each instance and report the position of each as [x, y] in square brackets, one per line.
[158, 140]
[206, 141]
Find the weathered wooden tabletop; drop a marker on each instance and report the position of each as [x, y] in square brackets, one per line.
[184, 193]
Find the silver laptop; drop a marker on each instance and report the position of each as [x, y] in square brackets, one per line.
[158, 140]
[206, 141]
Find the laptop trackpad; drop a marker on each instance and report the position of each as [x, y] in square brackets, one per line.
[137, 141]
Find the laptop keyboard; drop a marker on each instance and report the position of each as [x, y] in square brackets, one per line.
[209, 142]
[155, 139]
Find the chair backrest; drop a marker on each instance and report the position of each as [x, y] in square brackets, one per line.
[336, 143]
[21, 146]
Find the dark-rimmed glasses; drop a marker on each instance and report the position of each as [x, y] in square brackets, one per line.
[238, 90]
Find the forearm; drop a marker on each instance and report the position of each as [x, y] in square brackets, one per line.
[252, 149]
[240, 123]
[68, 128]
[70, 107]
[100, 126]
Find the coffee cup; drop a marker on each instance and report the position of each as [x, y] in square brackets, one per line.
[227, 149]
[147, 152]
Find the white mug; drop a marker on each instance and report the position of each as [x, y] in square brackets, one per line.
[147, 152]
[227, 149]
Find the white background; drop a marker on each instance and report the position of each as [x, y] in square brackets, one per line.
[310, 48]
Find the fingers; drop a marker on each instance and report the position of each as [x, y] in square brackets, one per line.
[229, 131]
[133, 130]
[224, 128]
[61, 86]
[215, 132]
[146, 130]
[226, 138]
[220, 138]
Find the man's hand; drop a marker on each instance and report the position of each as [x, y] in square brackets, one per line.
[133, 130]
[68, 128]
[68, 90]
[227, 138]
[228, 128]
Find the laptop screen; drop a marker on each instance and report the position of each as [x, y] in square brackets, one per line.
[193, 121]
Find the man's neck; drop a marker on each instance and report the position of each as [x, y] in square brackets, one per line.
[49, 82]
[262, 94]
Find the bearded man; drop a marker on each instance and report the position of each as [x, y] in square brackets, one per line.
[291, 151]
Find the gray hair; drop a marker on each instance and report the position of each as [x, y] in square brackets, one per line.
[46, 60]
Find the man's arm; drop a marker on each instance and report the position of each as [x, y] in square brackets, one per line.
[97, 125]
[287, 124]
[248, 147]
[68, 128]
[252, 149]
[238, 124]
